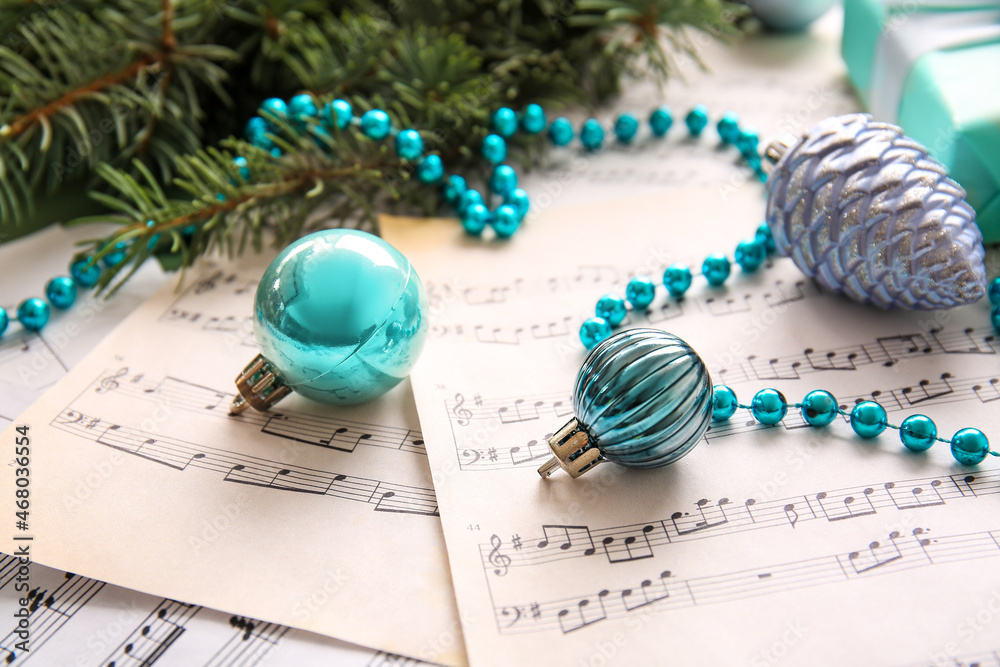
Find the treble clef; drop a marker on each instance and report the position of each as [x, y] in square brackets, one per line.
[497, 559]
[463, 414]
[110, 382]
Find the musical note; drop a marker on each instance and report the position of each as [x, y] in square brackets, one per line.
[785, 295]
[771, 371]
[877, 555]
[498, 335]
[742, 584]
[967, 343]
[702, 521]
[644, 588]
[462, 414]
[520, 413]
[728, 306]
[156, 633]
[926, 395]
[568, 533]
[897, 348]
[586, 615]
[596, 274]
[847, 502]
[831, 360]
[668, 310]
[535, 452]
[180, 455]
[481, 296]
[990, 394]
[499, 561]
[48, 611]
[791, 514]
[967, 481]
[110, 382]
[626, 550]
[562, 409]
[552, 329]
[916, 496]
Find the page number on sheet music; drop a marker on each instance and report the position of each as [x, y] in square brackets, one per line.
[472, 526]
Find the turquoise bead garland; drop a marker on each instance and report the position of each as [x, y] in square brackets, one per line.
[969, 446]
[643, 399]
[504, 123]
[677, 279]
[749, 254]
[33, 313]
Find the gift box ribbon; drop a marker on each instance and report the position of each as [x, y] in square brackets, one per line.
[924, 27]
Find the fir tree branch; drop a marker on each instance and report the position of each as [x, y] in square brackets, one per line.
[79, 94]
[439, 66]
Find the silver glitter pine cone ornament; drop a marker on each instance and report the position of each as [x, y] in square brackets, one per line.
[865, 211]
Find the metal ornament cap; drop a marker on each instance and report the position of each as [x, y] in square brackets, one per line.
[643, 399]
[867, 212]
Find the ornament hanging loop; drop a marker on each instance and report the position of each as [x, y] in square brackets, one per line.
[777, 148]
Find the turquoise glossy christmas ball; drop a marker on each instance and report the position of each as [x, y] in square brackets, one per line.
[341, 316]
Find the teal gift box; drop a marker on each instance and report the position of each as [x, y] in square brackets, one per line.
[933, 67]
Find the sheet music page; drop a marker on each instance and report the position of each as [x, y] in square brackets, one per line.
[310, 516]
[87, 623]
[762, 545]
[31, 362]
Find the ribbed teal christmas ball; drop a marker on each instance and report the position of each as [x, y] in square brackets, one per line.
[341, 316]
[644, 397]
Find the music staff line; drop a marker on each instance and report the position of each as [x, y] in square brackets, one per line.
[215, 280]
[242, 641]
[664, 592]
[48, 612]
[886, 351]
[239, 327]
[945, 390]
[250, 470]
[713, 304]
[712, 518]
[154, 635]
[326, 432]
[250, 643]
[187, 311]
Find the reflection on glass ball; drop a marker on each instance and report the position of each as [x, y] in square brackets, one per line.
[341, 316]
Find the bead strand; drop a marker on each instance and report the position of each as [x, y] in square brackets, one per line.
[468, 203]
[33, 313]
[640, 292]
[969, 446]
[302, 113]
